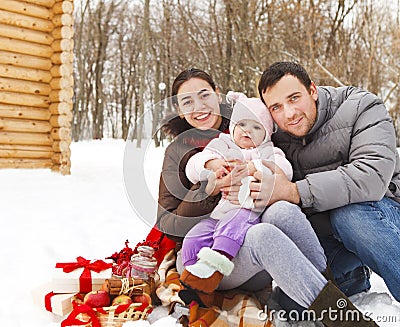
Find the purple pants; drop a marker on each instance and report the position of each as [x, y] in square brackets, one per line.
[225, 234]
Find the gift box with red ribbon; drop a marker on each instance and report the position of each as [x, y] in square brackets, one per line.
[59, 304]
[81, 276]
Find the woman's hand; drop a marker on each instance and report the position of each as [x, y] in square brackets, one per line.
[269, 189]
[214, 181]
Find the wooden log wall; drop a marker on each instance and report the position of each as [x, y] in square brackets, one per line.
[36, 83]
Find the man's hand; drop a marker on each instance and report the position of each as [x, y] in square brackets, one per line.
[269, 189]
[251, 167]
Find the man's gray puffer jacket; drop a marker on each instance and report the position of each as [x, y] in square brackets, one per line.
[350, 153]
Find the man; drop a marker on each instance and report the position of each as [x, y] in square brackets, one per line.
[341, 143]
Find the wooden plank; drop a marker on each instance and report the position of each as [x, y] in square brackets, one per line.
[63, 20]
[23, 147]
[29, 100]
[24, 125]
[28, 74]
[61, 133]
[61, 120]
[25, 138]
[63, 32]
[23, 60]
[61, 157]
[20, 86]
[61, 146]
[24, 112]
[63, 7]
[26, 154]
[44, 3]
[60, 83]
[63, 95]
[14, 19]
[63, 45]
[24, 47]
[63, 169]
[59, 108]
[25, 8]
[64, 57]
[66, 70]
[24, 34]
[25, 163]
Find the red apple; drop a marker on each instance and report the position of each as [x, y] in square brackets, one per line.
[97, 299]
[142, 298]
[122, 299]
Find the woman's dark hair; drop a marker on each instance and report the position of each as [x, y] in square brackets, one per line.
[276, 71]
[186, 75]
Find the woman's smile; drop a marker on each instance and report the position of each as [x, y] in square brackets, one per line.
[202, 116]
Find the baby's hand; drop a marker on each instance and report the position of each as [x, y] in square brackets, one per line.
[216, 180]
[216, 165]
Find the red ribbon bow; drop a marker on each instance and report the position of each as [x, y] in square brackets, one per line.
[85, 280]
[71, 320]
[47, 301]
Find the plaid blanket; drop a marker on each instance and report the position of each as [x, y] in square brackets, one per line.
[236, 310]
[233, 310]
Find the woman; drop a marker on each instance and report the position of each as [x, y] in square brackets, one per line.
[294, 259]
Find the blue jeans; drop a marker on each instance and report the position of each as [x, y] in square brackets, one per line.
[371, 231]
[351, 274]
[368, 230]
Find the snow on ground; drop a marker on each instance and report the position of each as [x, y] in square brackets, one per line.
[49, 218]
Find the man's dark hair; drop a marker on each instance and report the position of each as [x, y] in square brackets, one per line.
[277, 70]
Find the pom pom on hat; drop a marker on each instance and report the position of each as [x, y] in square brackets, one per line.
[236, 95]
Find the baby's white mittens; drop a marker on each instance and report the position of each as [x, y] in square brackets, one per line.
[244, 198]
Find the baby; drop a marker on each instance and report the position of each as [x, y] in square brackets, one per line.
[209, 246]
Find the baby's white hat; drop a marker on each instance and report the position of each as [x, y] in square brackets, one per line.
[250, 108]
